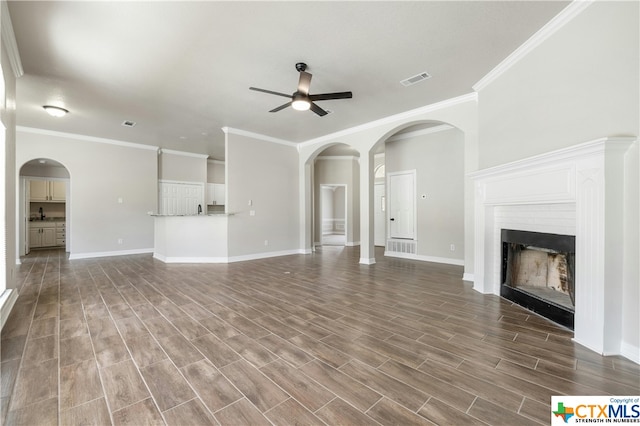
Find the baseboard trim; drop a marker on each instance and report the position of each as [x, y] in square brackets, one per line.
[367, 261]
[352, 243]
[467, 277]
[434, 259]
[173, 259]
[256, 256]
[90, 255]
[630, 352]
[7, 300]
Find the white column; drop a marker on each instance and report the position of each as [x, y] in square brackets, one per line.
[367, 253]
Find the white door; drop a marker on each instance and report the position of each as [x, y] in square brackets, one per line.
[379, 201]
[402, 205]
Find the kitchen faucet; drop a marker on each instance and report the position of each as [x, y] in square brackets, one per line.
[41, 213]
[199, 209]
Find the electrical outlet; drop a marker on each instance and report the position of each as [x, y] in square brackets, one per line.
[252, 212]
[250, 202]
[453, 247]
[266, 242]
[120, 241]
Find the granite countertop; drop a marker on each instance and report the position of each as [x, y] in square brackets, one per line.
[48, 219]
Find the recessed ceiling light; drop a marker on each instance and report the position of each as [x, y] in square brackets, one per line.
[183, 137]
[55, 111]
[42, 161]
[128, 123]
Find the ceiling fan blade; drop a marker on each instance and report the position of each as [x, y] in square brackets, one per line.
[329, 96]
[315, 108]
[281, 107]
[271, 92]
[304, 82]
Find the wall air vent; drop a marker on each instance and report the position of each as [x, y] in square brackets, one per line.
[416, 78]
[128, 123]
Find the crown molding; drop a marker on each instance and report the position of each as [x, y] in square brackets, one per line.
[421, 132]
[85, 138]
[621, 143]
[181, 153]
[233, 131]
[9, 40]
[338, 157]
[469, 97]
[560, 20]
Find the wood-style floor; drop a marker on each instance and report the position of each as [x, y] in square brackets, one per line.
[307, 339]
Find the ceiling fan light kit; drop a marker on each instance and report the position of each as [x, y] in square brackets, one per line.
[300, 102]
[55, 111]
[301, 99]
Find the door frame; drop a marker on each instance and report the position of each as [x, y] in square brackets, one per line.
[413, 197]
[346, 209]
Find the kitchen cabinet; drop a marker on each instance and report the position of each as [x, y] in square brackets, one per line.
[47, 190]
[216, 194]
[177, 198]
[61, 233]
[42, 235]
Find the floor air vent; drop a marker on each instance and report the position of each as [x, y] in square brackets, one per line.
[401, 246]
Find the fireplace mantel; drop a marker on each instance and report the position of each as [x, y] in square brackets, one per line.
[575, 190]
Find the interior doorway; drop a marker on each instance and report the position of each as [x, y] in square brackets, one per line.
[379, 215]
[333, 215]
[44, 206]
[402, 206]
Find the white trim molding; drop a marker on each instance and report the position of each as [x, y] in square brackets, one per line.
[560, 20]
[181, 153]
[469, 97]
[572, 191]
[85, 138]
[239, 132]
[8, 298]
[91, 255]
[421, 132]
[9, 41]
[422, 258]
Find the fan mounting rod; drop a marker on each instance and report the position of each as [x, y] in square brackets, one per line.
[301, 66]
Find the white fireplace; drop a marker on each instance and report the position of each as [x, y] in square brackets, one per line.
[572, 191]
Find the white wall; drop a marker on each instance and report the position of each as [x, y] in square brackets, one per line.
[215, 171]
[438, 159]
[580, 84]
[339, 171]
[8, 118]
[183, 167]
[267, 174]
[101, 174]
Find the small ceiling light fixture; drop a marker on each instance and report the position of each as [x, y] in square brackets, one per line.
[55, 111]
[300, 102]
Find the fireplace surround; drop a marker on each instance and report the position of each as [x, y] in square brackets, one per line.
[572, 191]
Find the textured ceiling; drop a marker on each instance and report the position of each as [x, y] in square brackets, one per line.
[182, 70]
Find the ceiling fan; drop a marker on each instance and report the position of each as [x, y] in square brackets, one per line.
[301, 99]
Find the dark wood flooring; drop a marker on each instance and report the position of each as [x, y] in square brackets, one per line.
[308, 339]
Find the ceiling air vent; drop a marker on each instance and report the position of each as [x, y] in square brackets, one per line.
[416, 78]
[128, 123]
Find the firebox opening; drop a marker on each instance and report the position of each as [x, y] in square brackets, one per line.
[538, 273]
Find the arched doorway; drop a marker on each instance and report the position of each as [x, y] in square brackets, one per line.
[424, 185]
[43, 206]
[335, 196]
